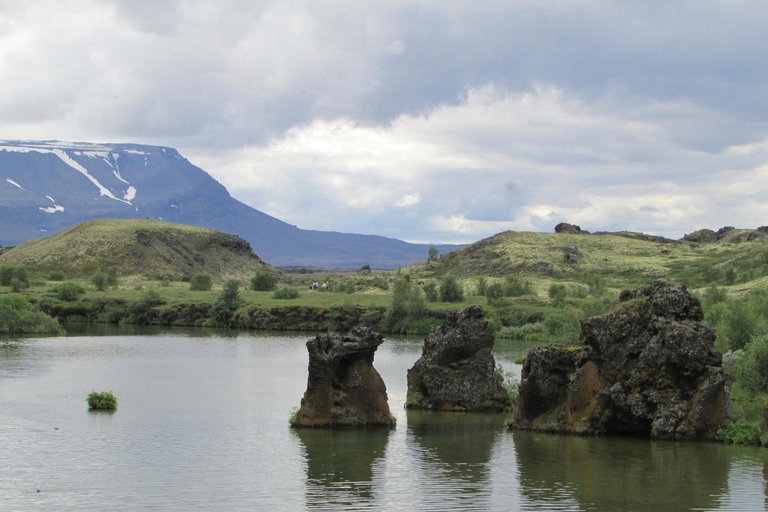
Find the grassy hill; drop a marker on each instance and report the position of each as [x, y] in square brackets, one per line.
[728, 257]
[153, 249]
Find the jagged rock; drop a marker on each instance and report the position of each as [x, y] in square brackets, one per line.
[456, 370]
[343, 387]
[571, 229]
[650, 368]
[707, 235]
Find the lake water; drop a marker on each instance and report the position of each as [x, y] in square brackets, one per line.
[202, 424]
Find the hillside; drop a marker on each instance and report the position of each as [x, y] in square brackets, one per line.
[47, 186]
[728, 256]
[145, 247]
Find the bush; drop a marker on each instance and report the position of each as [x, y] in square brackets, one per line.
[263, 281]
[430, 291]
[7, 274]
[227, 303]
[451, 290]
[141, 311]
[56, 275]
[99, 280]
[381, 283]
[494, 293]
[557, 294]
[482, 286]
[738, 325]
[752, 366]
[17, 315]
[285, 293]
[201, 283]
[104, 401]
[596, 285]
[515, 287]
[67, 291]
[563, 324]
[112, 276]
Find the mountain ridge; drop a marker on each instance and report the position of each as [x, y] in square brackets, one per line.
[46, 186]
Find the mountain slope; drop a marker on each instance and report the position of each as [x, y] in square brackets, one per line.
[46, 186]
[139, 246]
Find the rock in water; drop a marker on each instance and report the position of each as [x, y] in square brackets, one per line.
[650, 368]
[343, 387]
[456, 371]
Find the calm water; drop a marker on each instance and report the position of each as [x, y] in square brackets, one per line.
[202, 425]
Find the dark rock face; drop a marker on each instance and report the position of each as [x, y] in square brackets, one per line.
[456, 371]
[571, 229]
[343, 388]
[648, 369]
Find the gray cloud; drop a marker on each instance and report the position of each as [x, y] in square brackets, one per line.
[496, 114]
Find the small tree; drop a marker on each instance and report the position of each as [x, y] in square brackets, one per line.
[227, 303]
[494, 293]
[7, 274]
[263, 281]
[112, 277]
[482, 286]
[430, 291]
[433, 253]
[451, 290]
[99, 280]
[201, 282]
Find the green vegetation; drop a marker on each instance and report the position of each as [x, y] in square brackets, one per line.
[103, 401]
[201, 282]
[99, 280]
[17, 315]
[451, 290]
[265, 281]
[226, 304]
[286, 293]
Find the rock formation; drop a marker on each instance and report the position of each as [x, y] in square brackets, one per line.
[650, 369]
[456, 371]
[571, 229]
[343, 387]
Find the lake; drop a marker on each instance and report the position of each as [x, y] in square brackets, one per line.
[202, 424]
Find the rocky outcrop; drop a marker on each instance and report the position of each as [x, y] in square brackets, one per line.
[571, 229]
[456, 371]
[343, 387]
[650, 369]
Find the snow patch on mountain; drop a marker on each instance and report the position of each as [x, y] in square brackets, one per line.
[130, 194]
[51, 209]
[9, 180]
[72, 163]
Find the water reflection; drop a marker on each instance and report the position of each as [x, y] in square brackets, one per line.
[619, 473]
[341, 466]
[453, 451]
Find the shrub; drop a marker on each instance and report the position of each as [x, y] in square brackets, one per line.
[201, 282]
[494, 293]
[56, 275]
[99, 280]
[730, 276]
[227, 303]
[112, 276]
[140, 311]
[596, 285]
[509, 383]
[752, 367]
[105, 401]
[451, 290]
[8, 274]
[740, 432]
[286, 292]
[380, 282]
[17, 315]
[18, 285]
[563, 324]
[430, 291]
[67, 291]
[263, 281]
[557, 294]
[738, 325]
[482, 286]
[433, 253]
[515, 287]
[417, 304]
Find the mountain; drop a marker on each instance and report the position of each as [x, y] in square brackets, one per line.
[139, 246]
[46, 186]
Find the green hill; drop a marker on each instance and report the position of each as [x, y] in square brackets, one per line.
[154, 249]
[726, 257]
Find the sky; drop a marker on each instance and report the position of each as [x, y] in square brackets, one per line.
[441, 121]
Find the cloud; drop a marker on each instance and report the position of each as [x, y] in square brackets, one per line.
[408, 200]
[502, 115]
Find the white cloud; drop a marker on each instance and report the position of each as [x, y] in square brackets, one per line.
[408, 200]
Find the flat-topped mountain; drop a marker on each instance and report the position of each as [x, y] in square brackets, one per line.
[139, 246]
[46, 186]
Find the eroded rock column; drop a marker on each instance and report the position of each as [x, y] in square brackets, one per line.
[343, 387]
